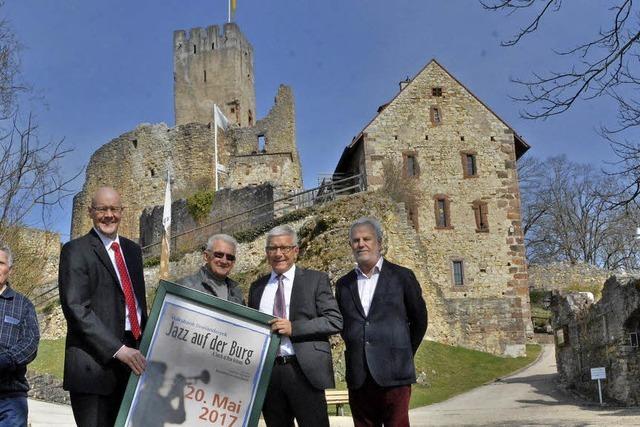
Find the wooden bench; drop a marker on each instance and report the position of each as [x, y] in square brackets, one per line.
[338, 398]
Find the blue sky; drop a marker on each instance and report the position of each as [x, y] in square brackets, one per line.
[99, 68]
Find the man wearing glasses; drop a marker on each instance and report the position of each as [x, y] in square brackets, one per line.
[213, 276]
[306, 315]
[102, 294]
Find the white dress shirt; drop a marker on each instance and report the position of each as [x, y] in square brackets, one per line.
[367, 285]
[268, 298]
[107, 242]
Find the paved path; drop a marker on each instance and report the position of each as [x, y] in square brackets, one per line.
[529, 398]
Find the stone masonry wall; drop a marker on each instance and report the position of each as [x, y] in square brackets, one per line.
[602, 334]
[278, 161]
[213, 68]
[136, 165]
[494, 267]
[226, 203]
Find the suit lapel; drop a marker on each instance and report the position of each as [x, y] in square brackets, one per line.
[353, 287]
[296, 292]
[102, 255]
[381, 286]
[257, 293]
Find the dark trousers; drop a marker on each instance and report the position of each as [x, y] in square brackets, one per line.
[375, 406]
[96, 410]
[290, 395]
[13, 411]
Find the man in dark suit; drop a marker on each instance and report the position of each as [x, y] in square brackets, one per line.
[385, 319]
[103, 299]
[306, 314]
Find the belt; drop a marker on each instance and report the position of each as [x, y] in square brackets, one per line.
[283, 360]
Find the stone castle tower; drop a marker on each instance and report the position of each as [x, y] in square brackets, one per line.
[210, 68]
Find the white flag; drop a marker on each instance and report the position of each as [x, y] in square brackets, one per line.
[219, 119]
[166, 212]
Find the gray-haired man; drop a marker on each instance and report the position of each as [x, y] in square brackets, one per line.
[213, 277]
[306, 314]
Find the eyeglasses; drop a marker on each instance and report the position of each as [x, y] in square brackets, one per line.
[104, 209]
[221, 255]
[284, 249]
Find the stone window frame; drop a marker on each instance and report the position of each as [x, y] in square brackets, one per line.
[464, 155]
[412, 214]
[405, 164]
[481, 215]
[452, 275]
[435, 114]
[436, 91]
[447, 211]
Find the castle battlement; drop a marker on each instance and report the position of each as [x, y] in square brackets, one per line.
[200, 40]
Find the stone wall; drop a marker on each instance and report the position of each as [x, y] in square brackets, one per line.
[563, 276]
[226, 203]
[277, 161]
[600, 334]
[210, 68]
[43, 248]
[136, 165]
[495, 274]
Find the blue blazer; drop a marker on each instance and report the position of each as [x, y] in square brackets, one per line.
[384, 341]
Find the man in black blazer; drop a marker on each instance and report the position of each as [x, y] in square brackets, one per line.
[385, 320]
[306, 315]
[102, 293]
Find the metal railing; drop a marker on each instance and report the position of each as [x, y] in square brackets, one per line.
[259, 215]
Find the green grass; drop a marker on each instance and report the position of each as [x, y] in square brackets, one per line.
[453, 370]
[50, 358]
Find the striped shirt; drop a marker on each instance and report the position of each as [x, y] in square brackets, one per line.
[19, 337]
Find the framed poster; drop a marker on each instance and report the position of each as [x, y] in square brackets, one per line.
[208, 363]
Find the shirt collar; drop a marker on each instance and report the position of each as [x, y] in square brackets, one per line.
[106, 240]
[289, 274]
[8, 292]
[376, 268]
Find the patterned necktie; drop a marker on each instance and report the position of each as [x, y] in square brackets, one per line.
[127, 289]
[279, 303]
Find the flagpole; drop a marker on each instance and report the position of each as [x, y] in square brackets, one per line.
[166, 231]
[215, 141]
[229, 11]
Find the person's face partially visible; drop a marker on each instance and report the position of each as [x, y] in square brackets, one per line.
[220, 258]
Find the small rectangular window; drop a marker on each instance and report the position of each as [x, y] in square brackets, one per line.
[411, 165]
[436, 91]
[471, 165]
[458, 273]
[442, 213]
[481, 213]
[435, 115]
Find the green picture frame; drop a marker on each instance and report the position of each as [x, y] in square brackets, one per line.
[168, 294]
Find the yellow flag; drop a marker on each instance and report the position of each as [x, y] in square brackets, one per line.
[234, 3]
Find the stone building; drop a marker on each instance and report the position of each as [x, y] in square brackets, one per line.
[605, 334]
[210, 68]
[461, 158]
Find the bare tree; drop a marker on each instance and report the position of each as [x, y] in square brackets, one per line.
[605, 64]
[566, 216]
[32, 180]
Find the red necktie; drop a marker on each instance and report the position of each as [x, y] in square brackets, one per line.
[127, 288]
